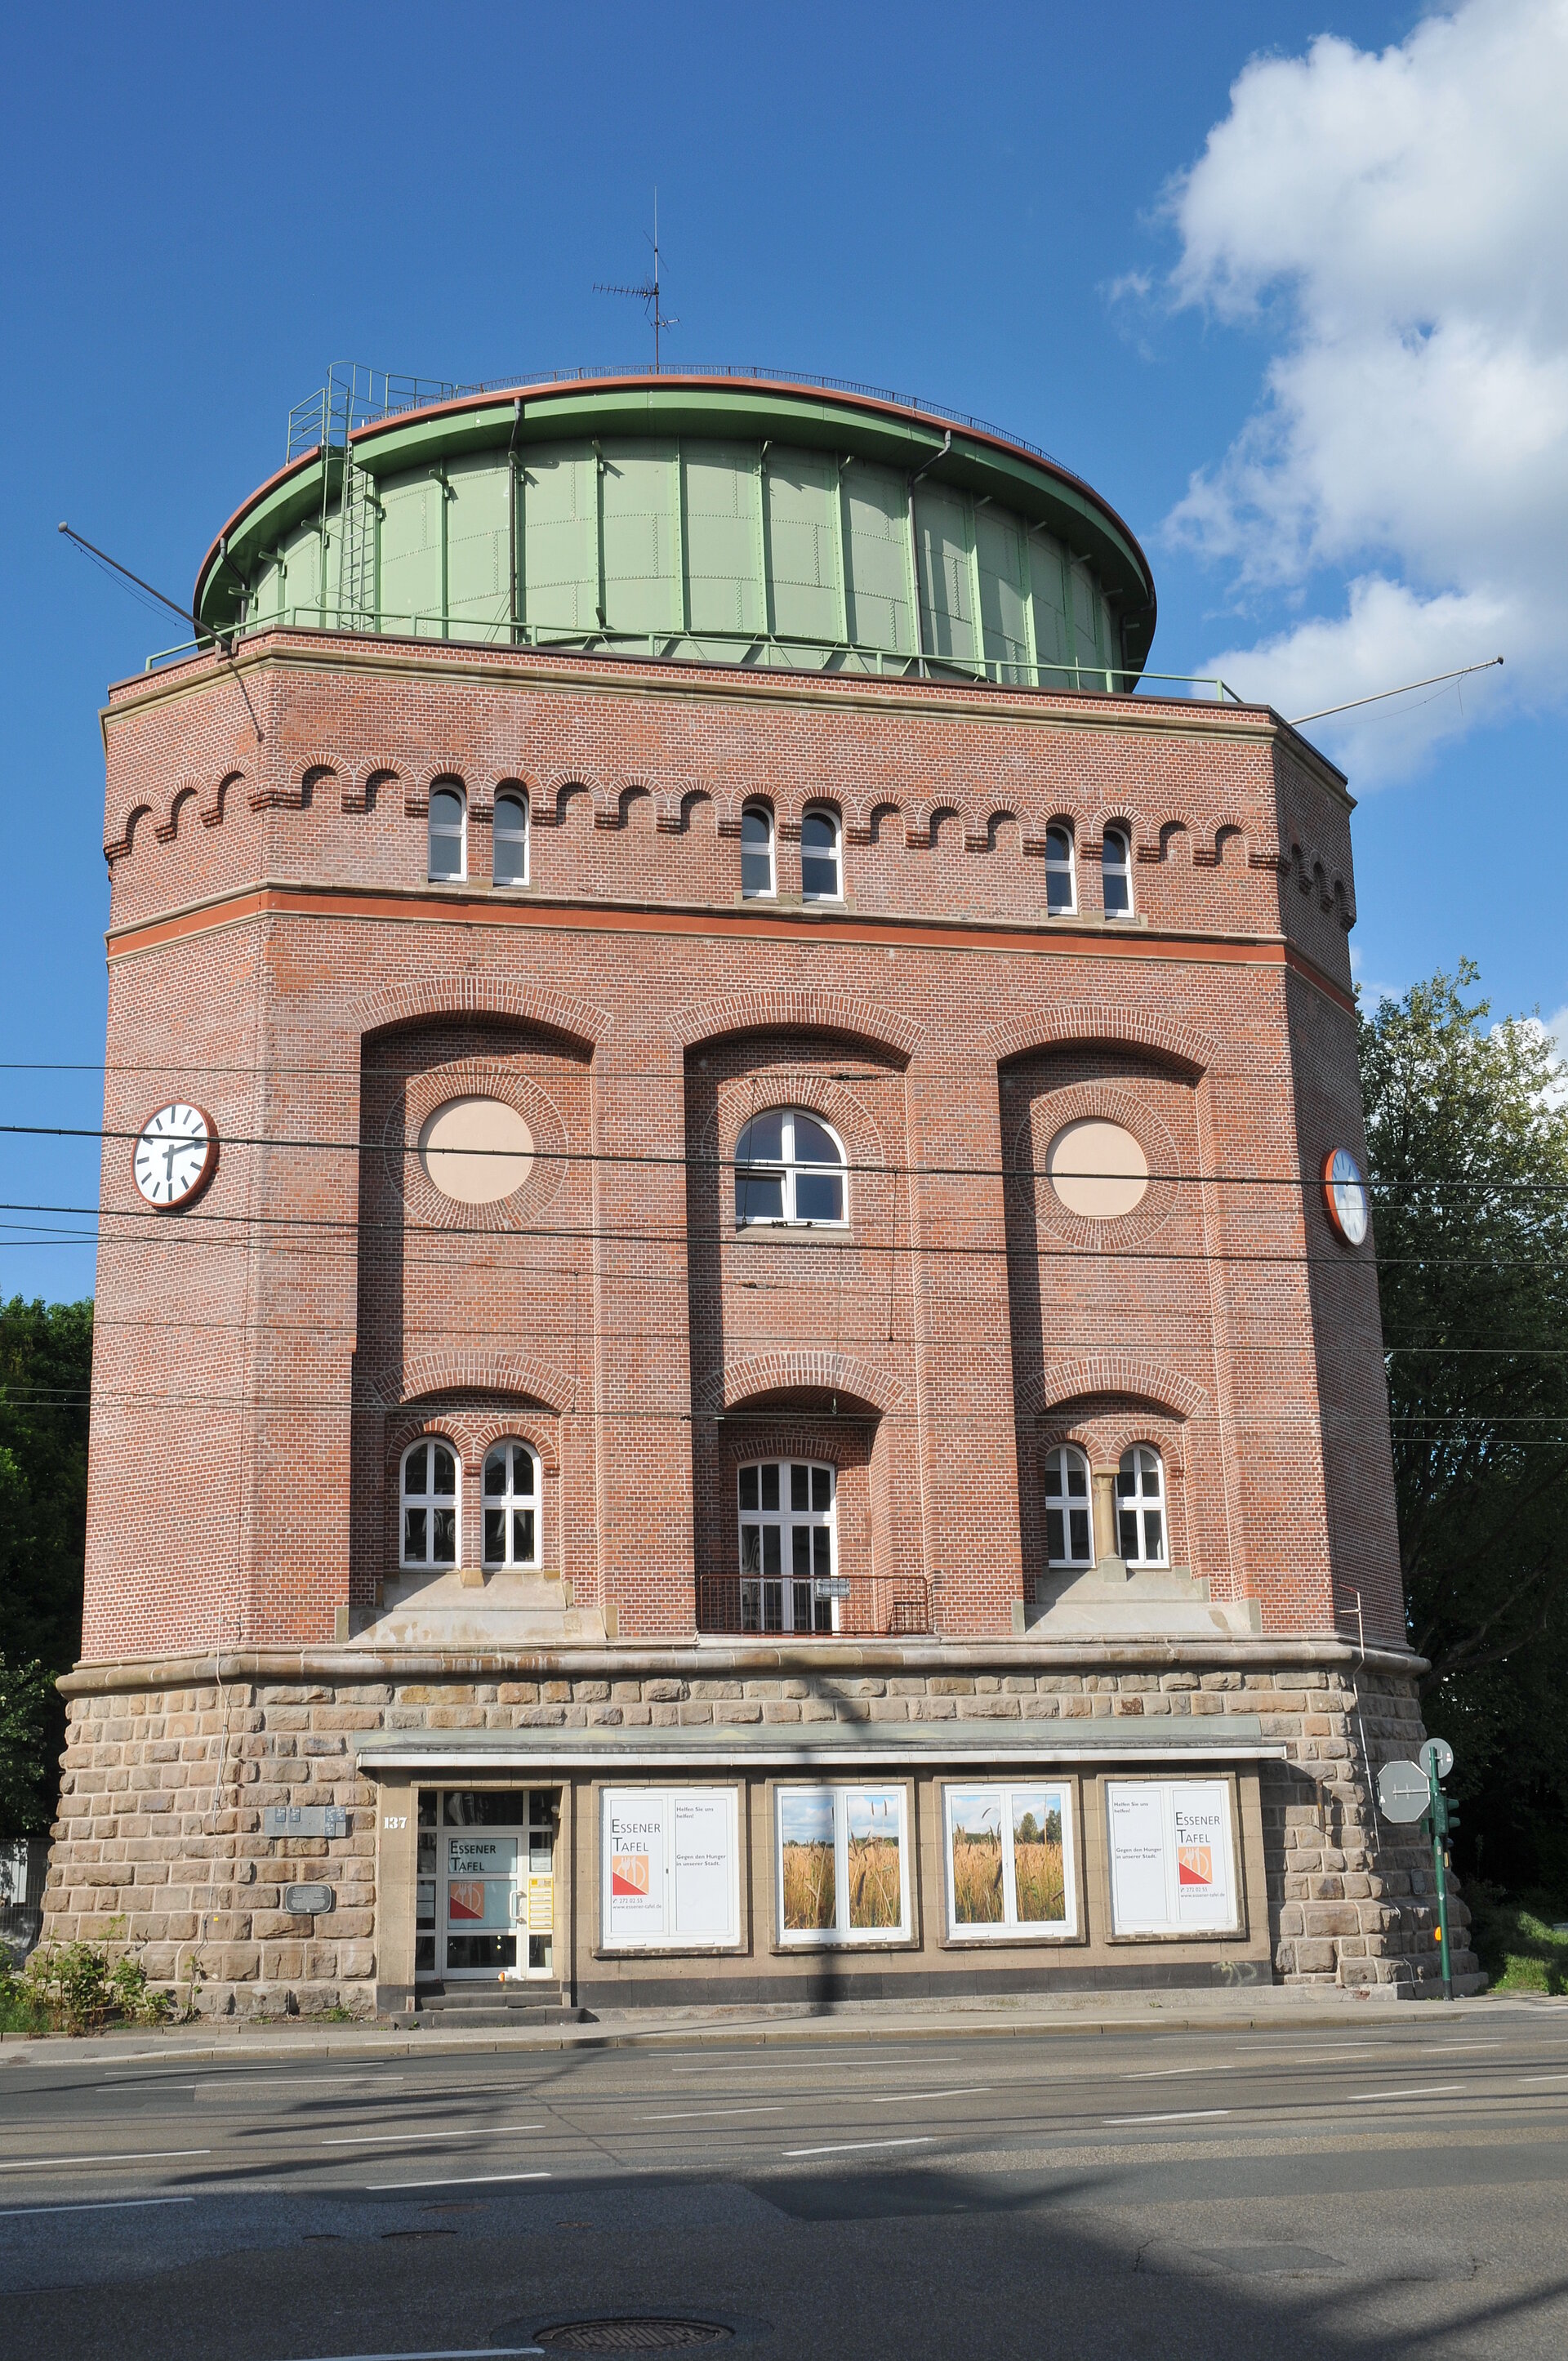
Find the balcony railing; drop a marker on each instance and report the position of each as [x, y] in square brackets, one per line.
[751, 1607]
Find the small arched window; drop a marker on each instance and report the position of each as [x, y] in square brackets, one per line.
[1116, 874]
[511, 856]
[430, 1503]
[758, 877]
[1061, 899]
[1140, 1507]
[788, 1168]
[821, 857]
[511, 1505]
[1069, 1525]
[446, 833]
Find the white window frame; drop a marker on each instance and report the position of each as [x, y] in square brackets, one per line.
[428, 1501]
[516, 801]
[508, 1502]
[1010, 1928]
[1057, 869]
[770, 851]
[1138, 1461]
[446, 876]
[774, 1602]
[1066, 1456]
[841, 1936]
[787, 1166]
[835, 853]
[1121, 869]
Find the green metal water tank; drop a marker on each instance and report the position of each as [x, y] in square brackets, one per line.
[715, 518]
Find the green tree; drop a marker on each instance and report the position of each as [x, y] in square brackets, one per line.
[46, 1364]
[1468, 1140]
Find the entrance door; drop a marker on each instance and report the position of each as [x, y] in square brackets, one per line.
[486, 1884]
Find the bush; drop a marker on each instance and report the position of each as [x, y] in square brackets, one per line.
[71, 1988]
[1522, 1940]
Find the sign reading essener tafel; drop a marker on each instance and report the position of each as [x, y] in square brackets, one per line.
[1172, 1856]
[669, 1861]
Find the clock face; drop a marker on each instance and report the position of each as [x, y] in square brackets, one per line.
[176, 1151]
[1344, 1193]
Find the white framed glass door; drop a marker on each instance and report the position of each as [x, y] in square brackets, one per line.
[484, 1906]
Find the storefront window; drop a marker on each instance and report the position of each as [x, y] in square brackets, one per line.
[1010, 1864]
[843, 1868]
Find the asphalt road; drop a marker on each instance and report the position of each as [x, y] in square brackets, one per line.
[1362, 2190]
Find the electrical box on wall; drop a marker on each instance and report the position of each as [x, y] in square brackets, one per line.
[304, 1820]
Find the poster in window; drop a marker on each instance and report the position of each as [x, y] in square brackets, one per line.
[843, 1872]
[671, 1867]
[1010, 1865]
[1172, 1857]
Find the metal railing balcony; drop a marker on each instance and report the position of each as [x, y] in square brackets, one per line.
[752, 1607]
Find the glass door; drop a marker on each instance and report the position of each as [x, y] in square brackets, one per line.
[486, 1897]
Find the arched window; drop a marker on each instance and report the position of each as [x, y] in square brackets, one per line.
[788, 1168]
[509, 860]
[511, 1505]
[1116, 874]
[821, 857]
[430, 1503]
[1140, 1507]
[787, 1545]
[1060, 898]
[446, 834]
[758, 881]
[1069, 1525]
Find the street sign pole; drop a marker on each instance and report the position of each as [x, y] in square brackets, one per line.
[1439, 1815]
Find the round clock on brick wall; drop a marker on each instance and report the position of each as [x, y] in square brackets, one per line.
[1344, 1193]
[176, 1154]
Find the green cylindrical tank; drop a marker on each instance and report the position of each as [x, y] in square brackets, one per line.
[715, 519]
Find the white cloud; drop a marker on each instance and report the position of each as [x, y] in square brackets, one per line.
[1396, 222]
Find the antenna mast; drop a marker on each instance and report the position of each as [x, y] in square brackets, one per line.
[648, 293]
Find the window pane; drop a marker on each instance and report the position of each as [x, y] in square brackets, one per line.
[1056, 1536]
[1053, 1477]
[822, 1614]
[522, 1537]
[1039, 1869]
[1078, 1521]
[800, 1607]
[807, 1859]
[1116, 898]
[813, 1144]
[769, 1472]
[818, 1197]
[1126, 1481]
[819, 878]
[445, 809]
[522, 1469]
[756, 829]
[510, 859]
[413, 1535]
[756, 872]
[1154, 1534]
[748, 1487]
[414, 1469]
[875, 1868]
[799, 1486]
[977, 1898]
[1059, 845]
[821, 1553]
[443, 1470]
[772, 1604]
[1129, 1524]
[771, 1556]
[761, 1139]
[759, 1196]
[751, 1549]
[496, 1472]
[751, 1607]
[1077, 1479]
[820, 833]
[444, 1552]
[800, 1552]
[822, 1487]
[1148, 1467]
[495, 1536]
[1058, 889]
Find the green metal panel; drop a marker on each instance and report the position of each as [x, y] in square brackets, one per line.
[478, 597]
[301, 554]
[723, 580]
[559, 540]
[876, 535]
[803, 544]
[411, 554]
[1004, 564]
[1053, 637]
[641, 538]
[266, 590]
[1086, 648]
[947, 620]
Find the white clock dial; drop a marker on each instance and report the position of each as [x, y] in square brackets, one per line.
[176, 1150]
[1344, 1193]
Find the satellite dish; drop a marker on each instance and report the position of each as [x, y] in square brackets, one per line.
[1438, 1751]
[1404, 1792]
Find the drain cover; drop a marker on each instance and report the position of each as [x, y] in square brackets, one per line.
[628, 2335]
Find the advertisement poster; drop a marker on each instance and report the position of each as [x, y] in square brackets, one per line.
[1010, 1861]
[671, 1867]
[843, 1876]
[1171, 1857]
[479, 1877]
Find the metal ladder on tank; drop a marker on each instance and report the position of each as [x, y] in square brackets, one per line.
[352, 396]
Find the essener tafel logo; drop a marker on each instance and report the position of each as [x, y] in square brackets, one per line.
[1195, 1864]
[464, 1899]
[628, 1873]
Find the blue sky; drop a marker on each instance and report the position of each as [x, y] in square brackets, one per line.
[1205, 262]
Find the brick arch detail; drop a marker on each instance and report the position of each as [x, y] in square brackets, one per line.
[186, 792]
[473, 996]
[819, 1369]
[1110, 1372]
[399, 1385]
[786, 1009]
[357, 783]
[1049, 1029]
[213, 811]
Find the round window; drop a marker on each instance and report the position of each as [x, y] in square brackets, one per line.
[475, 1150]
[1097, 1169]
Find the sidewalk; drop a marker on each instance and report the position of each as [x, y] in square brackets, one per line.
[1268, 2009]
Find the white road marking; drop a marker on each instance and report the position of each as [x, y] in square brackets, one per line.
[903, 2097]
[1170, 2073]
[447, 2353]
[467, 2181]
[104, 2205]
[842, 2147]
[131, 2156]
[1193, 2115]
[1544, 2078]
[1428, 2091]
[395, 2133]
[689, 2115]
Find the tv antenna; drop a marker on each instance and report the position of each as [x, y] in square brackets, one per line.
[648, 293]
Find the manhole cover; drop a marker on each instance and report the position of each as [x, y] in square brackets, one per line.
[627, 2335]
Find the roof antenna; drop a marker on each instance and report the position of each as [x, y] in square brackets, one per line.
[648, 293]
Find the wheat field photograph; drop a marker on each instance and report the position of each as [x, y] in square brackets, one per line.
[805, 1853]
[874, 1867]
[1033, 1819]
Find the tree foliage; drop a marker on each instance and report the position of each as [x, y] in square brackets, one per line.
[1468, 1137]
[46, 1364]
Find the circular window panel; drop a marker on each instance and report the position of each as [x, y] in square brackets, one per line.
[1097, 1169]
[475, 1150]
